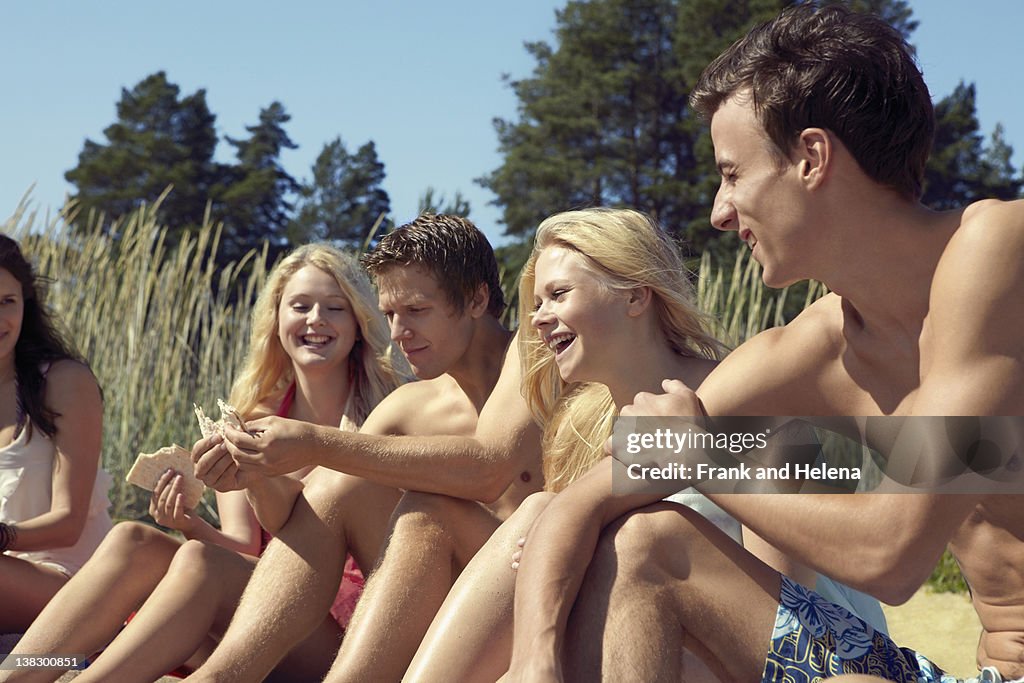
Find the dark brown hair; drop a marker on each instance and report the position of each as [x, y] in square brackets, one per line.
[451, 249]
[40, 341]
[837, 69]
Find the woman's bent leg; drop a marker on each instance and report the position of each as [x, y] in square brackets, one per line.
[198, 595]
[471, 637]
[91, 607]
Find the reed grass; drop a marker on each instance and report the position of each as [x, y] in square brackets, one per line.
[161, 327]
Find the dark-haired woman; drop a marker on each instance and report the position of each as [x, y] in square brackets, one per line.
[53, 495]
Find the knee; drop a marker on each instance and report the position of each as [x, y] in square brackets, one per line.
[429, 510]
[194, 558]
[136, 543]
[649, 541]
[324, 490]
[128, 536]
[533, 505]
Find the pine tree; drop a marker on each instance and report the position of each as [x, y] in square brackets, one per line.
[603, 119]
[961, 170]
[158, 140]
[456, 206]
[344, 199]
[257, 197]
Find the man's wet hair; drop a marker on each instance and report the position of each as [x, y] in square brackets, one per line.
[451, 249]
[830, 67]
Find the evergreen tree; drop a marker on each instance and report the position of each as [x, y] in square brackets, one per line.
[158, 140]
[456, 206]
[257, 198]
[999, 175]
[960, 169]
[344, 199]
[603, 120]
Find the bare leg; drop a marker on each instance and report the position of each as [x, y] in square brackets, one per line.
[195, 599]
[664, 579]
[90, 608]
[471, 637]
[199, 593]
[25, 588]
[296, 580]
[433, 537]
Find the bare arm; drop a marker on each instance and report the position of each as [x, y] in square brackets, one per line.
[72, 392]
[976, 367]
[272, 499]
[239, 530]
[478, 467]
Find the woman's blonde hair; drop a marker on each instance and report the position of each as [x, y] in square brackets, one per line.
[375, 367]
[628, 249]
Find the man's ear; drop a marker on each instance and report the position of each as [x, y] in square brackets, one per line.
[814, 153]
[638, 301]
[480, 301]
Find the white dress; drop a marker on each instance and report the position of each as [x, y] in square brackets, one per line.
[26, 483]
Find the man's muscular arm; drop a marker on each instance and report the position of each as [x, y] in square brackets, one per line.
[480, 467]
[976, 368]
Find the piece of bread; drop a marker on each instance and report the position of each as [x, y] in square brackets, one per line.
[149, 467]
[228, 416]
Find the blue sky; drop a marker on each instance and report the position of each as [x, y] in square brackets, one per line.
[422, 80]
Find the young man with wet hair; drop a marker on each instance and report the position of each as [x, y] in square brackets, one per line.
[822, 125]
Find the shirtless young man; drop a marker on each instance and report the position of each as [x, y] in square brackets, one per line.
[822, 125]
[438, 284]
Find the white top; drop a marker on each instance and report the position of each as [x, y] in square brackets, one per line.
[26, 487]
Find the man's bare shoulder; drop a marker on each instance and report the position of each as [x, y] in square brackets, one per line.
[990, 235]
[780, 370]
[974, 333]
[423, 407]
[980, 274]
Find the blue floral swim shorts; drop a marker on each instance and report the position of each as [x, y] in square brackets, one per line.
[814, 639]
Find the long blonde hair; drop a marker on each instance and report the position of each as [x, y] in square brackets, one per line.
[376, 368]
[628, 249]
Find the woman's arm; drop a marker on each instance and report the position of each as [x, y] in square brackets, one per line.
[71, 392]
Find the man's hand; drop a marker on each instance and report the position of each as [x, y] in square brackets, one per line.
[274, 446]
[677, 401]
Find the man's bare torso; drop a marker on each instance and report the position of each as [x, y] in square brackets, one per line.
[866, 378]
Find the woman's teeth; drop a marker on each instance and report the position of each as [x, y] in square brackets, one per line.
[560, 342]
[315, 339]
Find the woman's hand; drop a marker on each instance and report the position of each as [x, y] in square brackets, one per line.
[214, 465]
[167, 504]
[518, 554]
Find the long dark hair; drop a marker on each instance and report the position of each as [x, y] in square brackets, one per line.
[39, 343]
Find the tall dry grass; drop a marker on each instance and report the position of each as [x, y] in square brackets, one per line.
[161, 327]
[738, 301]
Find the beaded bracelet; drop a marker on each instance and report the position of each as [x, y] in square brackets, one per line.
[8, 535]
